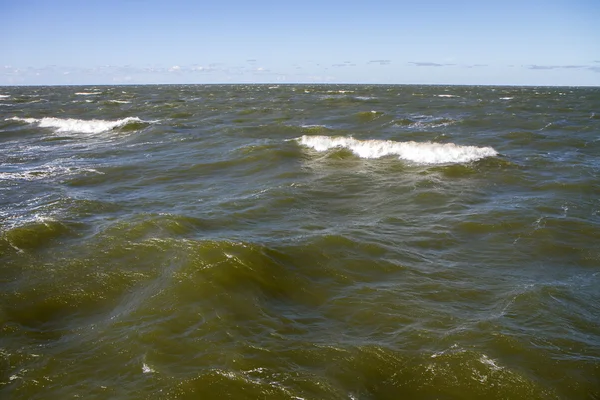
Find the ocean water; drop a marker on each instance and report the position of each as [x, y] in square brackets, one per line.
[299, 242]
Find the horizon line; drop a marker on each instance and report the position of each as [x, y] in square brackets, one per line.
[298, 83]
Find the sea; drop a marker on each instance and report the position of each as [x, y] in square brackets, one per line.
[299, 242]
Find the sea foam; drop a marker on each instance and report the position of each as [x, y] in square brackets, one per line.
[423, 153]
[78, 125]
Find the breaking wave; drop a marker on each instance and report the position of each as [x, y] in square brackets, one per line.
[80, 125]
[423, 153]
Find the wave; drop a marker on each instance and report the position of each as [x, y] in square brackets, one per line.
[87, 93]
[80, 125]
[4, 96]
[423, 153]
[447, 95]
[365, 98]
[423, 122]
[46, 171]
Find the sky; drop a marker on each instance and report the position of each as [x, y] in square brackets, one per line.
[484, 42]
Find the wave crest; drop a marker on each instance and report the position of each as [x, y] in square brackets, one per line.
[79, 125]
[423, 153]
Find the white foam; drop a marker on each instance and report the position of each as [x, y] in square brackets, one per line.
[313, 126]
[506, 98]
[119, 101]
[146, 369]
[490, 363]
[423, 153]
[87, 93]
[447, 95]
[4, 96]
[78, 125]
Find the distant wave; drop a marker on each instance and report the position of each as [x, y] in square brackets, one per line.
[423, 122]
[447, 95]
[87, 93]
[4, 96]
[424, 153]
[365, 98]
[79, 125]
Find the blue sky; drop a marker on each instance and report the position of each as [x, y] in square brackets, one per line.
[552, 42]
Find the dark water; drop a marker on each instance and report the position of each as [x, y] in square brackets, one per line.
[299, 242]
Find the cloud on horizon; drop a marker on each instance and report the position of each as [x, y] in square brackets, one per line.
[429, 64]
[547, 67]
[380, 62]
[592, 68]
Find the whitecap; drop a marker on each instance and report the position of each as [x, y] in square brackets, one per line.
[4, 96]
[506, 98]
[78, 125]
[447, 95]
[423, 153]
[119, 101]
[87, 93]
[365, 98]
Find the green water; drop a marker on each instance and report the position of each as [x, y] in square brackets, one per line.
[299, 242]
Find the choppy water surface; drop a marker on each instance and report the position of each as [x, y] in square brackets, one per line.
[299, 242]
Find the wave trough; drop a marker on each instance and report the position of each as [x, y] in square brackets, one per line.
[422, 153]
